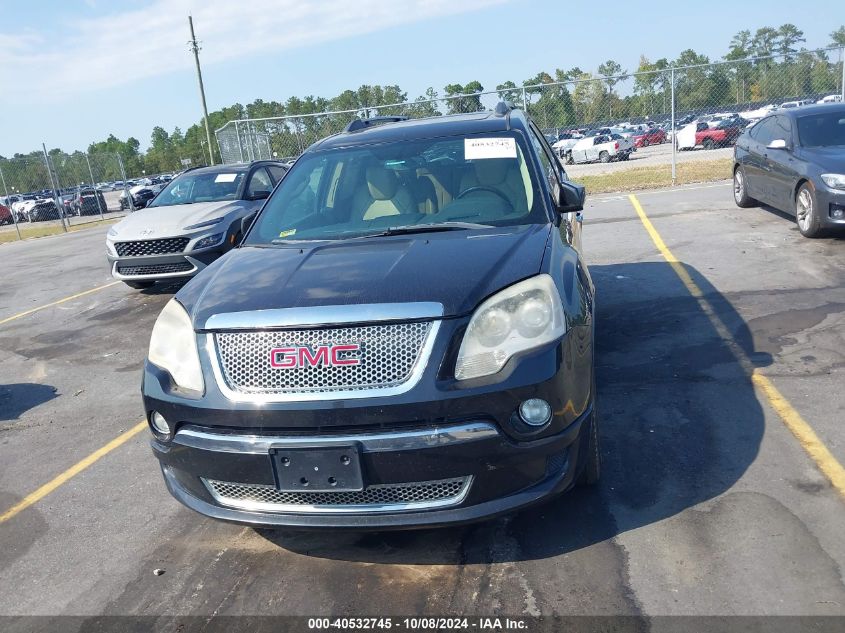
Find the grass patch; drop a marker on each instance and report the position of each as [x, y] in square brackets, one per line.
[656, 176]
[29, 231]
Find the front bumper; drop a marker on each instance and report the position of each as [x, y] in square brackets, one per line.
[502, 476]
[162, 267]
[827, 200]
[417, 437]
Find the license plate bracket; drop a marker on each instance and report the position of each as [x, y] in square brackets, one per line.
[335, 469]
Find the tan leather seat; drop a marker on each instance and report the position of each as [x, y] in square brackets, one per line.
[501, 174]
[385, 196]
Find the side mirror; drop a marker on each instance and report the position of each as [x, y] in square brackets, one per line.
[570, 197]
[246, 222]
[778, 143]
[259, 195]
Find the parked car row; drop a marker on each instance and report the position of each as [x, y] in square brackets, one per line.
[41, 206]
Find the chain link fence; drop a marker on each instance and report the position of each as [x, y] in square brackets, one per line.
[49, 192]
[656, 127]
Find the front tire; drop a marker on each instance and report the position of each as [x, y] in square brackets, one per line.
[139, 285]
[708, 143]
[741, 196]
[604, 157]
[806, 212]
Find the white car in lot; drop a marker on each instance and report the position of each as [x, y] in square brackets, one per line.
[602, 148]
[830, 99]
[196, 218]
[795, 104]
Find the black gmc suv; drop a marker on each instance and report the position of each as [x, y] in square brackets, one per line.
[403, 338]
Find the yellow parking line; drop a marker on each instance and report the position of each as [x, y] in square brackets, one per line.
[55, 303]
[803, 432]
[71, 472]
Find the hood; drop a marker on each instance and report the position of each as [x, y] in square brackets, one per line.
[457, 269]
[155, 222]
[828, 159]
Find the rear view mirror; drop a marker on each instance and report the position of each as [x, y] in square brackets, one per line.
[778, 143]
[570, 197]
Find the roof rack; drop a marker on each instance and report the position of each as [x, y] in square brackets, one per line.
[504, 108]
[361, 124]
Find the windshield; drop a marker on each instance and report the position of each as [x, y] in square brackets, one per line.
[352, 192]
[200, 187]
[822, 130]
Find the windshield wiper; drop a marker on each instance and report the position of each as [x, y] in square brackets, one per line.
[410, 229]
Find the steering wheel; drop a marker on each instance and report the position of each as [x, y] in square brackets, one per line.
[496, 192]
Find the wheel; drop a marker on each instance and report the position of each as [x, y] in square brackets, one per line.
[708, 143]
[139, 285]
[741, 196]
[569, 159]
[626, 156]
[645, 142]
[604, 157]
[592, 470]
[806, 214]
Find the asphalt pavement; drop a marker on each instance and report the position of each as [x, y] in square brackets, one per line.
[709, 504]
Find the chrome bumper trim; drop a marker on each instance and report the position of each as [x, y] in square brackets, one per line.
[324, 315]
[369, 442]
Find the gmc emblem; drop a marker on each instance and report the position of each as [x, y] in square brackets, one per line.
[317, 356]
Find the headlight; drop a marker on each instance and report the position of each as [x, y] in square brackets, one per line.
[519, 318]
[205, 242]
[202, 225]
[834, 181]
[173, 347]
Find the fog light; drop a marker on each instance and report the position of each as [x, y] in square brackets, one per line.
[837, 213]
[535, 412]
[159, 425]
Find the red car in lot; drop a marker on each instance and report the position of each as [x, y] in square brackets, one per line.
[654, 136]
[724, 134]
[5, 215]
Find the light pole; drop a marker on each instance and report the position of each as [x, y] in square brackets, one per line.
[194, 46]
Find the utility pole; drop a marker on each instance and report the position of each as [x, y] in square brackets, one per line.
[196, 51]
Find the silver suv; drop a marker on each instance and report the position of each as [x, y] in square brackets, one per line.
[196, 218]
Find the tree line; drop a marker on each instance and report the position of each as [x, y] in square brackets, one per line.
[564, 98]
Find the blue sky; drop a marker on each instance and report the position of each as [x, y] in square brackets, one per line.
[74, 71]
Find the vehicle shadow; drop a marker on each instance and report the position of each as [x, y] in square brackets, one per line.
[680, 424]
[17, 398]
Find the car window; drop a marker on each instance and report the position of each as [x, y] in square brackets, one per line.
[347, 192]
[193, 187]
[782, 129]
[260, 181]
[822, 130]
[276, 172]
[764, 131]
[547, 160]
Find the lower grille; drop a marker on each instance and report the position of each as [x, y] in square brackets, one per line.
[155, 269]
[419, 495]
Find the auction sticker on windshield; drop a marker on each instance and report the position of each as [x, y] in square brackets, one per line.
[225, 178]
[480, 148]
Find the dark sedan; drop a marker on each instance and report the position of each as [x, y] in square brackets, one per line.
[794, 160]
[89, 201]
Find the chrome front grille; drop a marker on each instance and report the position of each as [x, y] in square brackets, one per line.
[387, 355]
[400, 497]
[163, 246]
